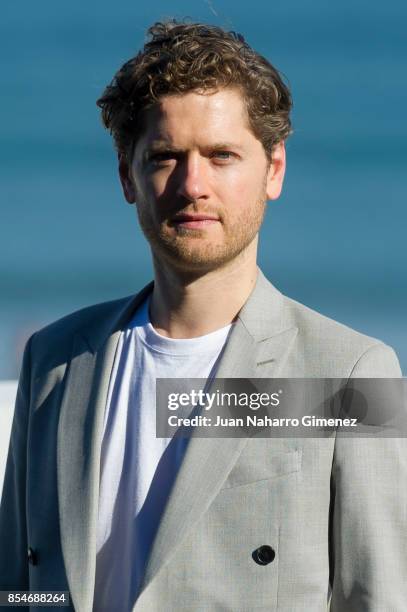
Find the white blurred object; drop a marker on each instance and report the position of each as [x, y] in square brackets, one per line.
[8, 390]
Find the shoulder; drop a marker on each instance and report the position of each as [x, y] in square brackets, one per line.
[81, 319]
[317, 327]
[51, 346]
[336, 349]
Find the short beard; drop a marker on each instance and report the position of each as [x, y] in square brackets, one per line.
[187, 255]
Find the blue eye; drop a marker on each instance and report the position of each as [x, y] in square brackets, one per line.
[223, 154]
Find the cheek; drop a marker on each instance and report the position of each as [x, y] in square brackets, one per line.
[241, 189]
[158, 186]
[150, 190]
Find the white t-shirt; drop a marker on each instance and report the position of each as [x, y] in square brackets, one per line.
[138, 469]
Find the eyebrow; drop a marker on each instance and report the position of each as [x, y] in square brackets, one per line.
[162, 146]
[159, 146]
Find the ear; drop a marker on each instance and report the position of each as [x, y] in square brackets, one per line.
[275, 175]
[125, 179]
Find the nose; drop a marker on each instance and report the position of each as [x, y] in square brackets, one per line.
[193, 177]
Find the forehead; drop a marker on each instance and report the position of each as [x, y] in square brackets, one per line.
[184, 119]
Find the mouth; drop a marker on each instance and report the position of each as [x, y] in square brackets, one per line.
[194, 221]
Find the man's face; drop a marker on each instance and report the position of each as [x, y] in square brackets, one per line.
[200, 179]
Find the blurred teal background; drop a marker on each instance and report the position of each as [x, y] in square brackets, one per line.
[336, 240]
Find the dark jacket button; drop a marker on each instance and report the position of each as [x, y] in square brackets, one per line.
[32, 557]
[264, 555]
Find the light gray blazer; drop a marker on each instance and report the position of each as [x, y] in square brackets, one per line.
[334, 511]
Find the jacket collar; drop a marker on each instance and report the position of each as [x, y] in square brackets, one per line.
[261, 316]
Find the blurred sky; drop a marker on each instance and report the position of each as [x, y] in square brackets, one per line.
[336, 238]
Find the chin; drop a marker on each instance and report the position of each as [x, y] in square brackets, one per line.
[197, 260]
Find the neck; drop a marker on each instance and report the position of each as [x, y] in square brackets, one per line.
[182, 307]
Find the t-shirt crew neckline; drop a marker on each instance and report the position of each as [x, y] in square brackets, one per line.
[208, 343]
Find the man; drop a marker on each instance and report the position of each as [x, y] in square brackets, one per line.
[93, 502]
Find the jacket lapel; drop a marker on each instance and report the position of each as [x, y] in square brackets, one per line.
[80, 432]
[79, 435]
[258, 347]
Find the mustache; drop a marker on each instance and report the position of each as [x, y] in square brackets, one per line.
[194, 208]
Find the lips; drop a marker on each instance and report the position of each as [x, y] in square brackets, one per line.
[194, 217]
[194, 221]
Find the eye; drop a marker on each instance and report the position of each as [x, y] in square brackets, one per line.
[223, 156]
[162, 157]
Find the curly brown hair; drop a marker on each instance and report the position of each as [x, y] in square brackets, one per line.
[182, 57]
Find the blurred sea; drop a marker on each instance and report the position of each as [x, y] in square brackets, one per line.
[336, 240]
